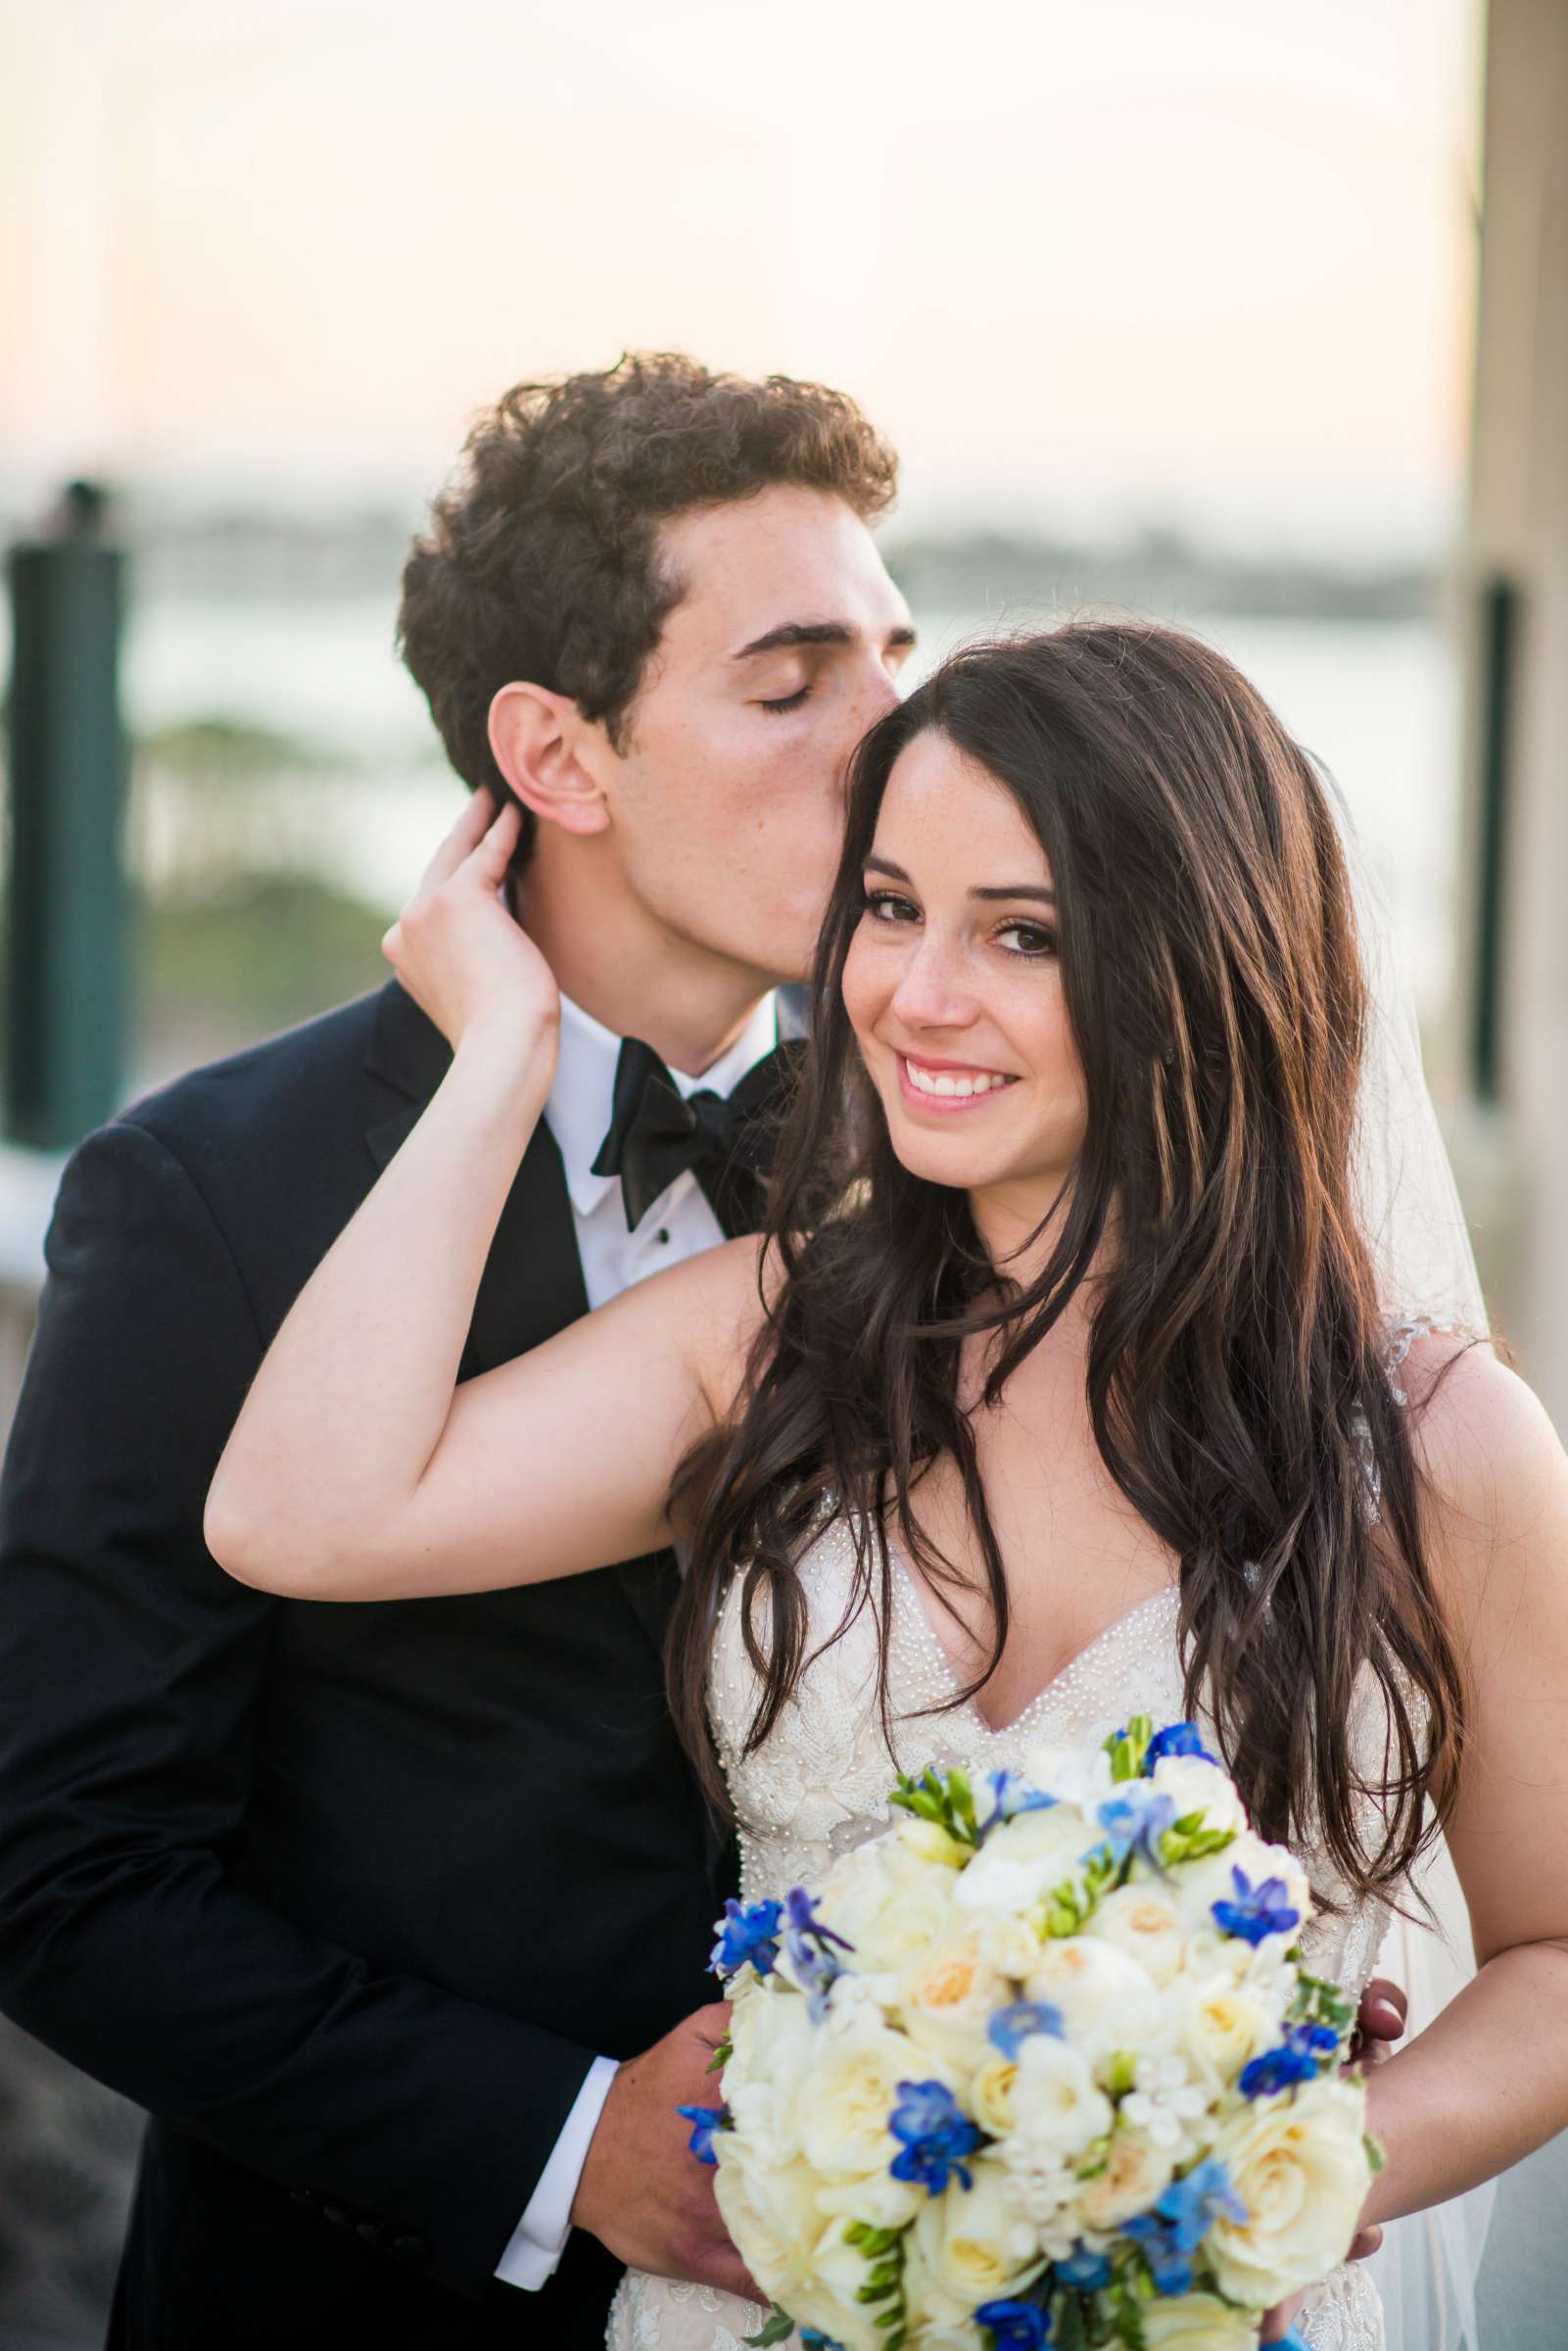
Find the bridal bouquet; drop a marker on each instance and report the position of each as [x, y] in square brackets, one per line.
[1041, 2066]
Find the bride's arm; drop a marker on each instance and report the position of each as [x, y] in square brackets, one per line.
[359, 1470]
[1488, 2082]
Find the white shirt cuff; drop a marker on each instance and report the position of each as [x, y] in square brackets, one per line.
[540, 2237]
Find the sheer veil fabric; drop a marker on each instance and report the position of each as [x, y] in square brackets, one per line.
[1409, 1204]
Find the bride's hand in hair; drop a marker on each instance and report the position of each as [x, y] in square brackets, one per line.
[457, 950]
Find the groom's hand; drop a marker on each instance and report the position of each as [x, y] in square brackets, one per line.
[642, 2192]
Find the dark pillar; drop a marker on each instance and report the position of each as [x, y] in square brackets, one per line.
[66, 927]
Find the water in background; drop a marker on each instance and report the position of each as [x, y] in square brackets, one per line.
[1378, 700]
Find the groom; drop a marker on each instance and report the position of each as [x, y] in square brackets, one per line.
[395, 1917]
[363, 1904]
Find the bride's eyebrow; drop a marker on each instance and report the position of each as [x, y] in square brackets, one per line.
[998, 894]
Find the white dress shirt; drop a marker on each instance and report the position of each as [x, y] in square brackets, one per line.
[679, 1223]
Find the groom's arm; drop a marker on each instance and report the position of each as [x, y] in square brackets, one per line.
[131, 1669]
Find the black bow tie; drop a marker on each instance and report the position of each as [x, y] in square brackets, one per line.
[656, 1133]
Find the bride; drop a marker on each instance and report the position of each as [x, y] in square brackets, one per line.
[1062, 1390]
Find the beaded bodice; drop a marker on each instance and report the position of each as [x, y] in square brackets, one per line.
[820, 1783]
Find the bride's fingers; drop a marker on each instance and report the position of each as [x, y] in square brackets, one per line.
[493, 854]
[476, 820]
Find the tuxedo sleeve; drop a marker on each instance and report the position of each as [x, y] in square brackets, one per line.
[131, 1672]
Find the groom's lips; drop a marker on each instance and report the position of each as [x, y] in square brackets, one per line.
[948, 1104]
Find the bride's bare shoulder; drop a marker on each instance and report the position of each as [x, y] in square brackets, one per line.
[1494, 1469]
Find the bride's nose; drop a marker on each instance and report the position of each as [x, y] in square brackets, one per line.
[934, 990]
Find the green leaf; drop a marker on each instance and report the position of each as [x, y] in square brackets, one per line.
[1070, 2333]
[723, 2052]
[778, 2330]
[1376, 2159]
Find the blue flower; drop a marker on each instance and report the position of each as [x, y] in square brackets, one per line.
[1011, 2026]
[1177, 1738]
[705, 2121]
[1169, 2266]
[809, 1944]
[1258, 1910]
[1015, 2325]
[746, 1932]
[814, 2340]
[1295, 2059]
[936, 2136]
[1135, 1821]
[1087, 2272]
[1010, 1796]
[1193, 2205]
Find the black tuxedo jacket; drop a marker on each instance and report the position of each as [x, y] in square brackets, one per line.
[348, 1897]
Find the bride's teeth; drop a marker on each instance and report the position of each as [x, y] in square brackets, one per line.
[942, 1081]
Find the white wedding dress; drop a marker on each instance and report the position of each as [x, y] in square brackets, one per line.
[820, 1784]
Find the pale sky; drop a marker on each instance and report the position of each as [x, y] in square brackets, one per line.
[1205, 261]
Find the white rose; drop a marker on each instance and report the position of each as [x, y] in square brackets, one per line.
[1087, 1981]
[1144, 1923]
[1056, 2095]
[947, 1997]
[844, 2097]
[770, 2209]
[1197, 2323]
[1195, 1785]
[1224, 2025]
[880, 2199]
[1023, 1860]
[1298, 2166]
[976, 2245]
[887, 1902]
[1138, 2170]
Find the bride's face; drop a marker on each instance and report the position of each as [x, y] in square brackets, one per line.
[953, 986]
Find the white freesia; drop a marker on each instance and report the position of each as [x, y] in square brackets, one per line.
[1197, 2323]
[769, 2207]
[827, 2298]
[976, 2244]
[1058, 2098]
[1025, 1860]
[1144, 1922]
[1299, 2165]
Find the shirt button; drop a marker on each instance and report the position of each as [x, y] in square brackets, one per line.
[664, 1235]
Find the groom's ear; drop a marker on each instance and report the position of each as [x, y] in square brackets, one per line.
[534, 736]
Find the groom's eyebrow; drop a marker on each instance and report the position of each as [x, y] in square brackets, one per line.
[996, 894]
[813, 632]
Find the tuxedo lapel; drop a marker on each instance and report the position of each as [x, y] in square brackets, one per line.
[531, 1285]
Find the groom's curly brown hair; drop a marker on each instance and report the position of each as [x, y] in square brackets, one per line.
[542, 561]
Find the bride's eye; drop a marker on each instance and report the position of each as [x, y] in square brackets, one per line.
[1034, 939]
[886, 907]
[788, 702]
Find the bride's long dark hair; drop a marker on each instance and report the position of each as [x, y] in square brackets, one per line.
[1237, 1380]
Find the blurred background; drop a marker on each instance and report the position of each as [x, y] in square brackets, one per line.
[1239, 312]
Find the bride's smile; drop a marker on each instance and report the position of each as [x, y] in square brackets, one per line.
[953, 986]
